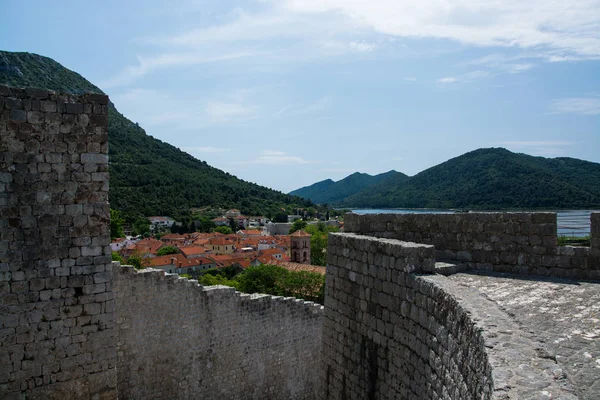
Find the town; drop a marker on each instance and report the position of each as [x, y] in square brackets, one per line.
[257, 241]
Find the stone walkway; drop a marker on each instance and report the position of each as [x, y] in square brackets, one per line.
[562, 315]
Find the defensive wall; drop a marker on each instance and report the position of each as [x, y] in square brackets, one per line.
[524, 243]
[394, 329]
[57, 305]
[74, 325]
[179, 340]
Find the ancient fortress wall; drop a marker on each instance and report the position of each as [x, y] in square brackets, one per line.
[504, 242]
[179, 340]
[394, 330]
[74, 325]
[57, 328]
[64, 313]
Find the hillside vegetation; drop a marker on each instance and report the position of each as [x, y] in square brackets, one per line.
[328, 191]
[148, 176]
[492, 178]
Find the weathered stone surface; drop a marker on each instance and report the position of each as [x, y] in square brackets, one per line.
[224, 344]
[40, 355]
[502, 242]
[391, 331]
[561, 316]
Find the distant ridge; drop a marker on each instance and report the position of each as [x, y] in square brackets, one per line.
[148, 176]
[328, 191]
[492, 179]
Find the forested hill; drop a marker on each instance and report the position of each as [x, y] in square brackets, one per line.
[492, 178]
[328, 191]
[148, 176]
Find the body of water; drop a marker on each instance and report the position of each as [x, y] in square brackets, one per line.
[575, 223]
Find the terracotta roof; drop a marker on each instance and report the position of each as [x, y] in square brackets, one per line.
[300, 234]
[159, 261]
[271, 252]
[220, 242]
[192, 250]
[148, 246]
[251, 232]
[292, 266]
[172, 236]
[245, 263]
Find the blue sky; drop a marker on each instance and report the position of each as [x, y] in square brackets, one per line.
[287, 93]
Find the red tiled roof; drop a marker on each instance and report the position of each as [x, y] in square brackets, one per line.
[172, 236]
[251, 232]
[300, 234]
[148, 246]
[220, 242]
[192, 250]
[271, 252]
[292, 266]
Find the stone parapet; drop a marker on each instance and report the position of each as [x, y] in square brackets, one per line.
[391, 332]
[523, 243]
[56, 295]
[180, 340]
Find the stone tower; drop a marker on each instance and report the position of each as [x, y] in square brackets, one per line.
[56, 297]
[300, 243]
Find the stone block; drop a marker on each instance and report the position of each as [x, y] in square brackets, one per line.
[18, 115]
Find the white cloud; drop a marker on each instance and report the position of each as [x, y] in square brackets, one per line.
[153, 108]
[301, 30]
[227, 110]
[516, 68]
[511, 64]
[319, 106]
[536, 143]
[558, 28]
[207, 149]
[272, 157]
[149, 64]
[410, 79]
[464, 78]
[547, 148]
[447, 80]
[577, 105]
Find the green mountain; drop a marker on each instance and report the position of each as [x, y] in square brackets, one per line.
[328, 191]
[492, 178]
[148, 176]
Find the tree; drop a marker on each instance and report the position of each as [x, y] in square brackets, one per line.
[141, 227]
[167, 250]
[225, 230]
[261, 279]
[137, 261]
[318, 242]
[116, 225]
[204, 224]
[233, 225]
[298, 225]
[280, 217]
[117, 257]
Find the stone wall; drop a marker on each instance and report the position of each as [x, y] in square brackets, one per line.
[504, 242]
[394, 330]
[56, 299]
[179, 340]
